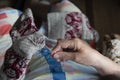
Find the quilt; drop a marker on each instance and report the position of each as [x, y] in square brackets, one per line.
[29, 56]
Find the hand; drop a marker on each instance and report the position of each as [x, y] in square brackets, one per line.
[75, 50]
[80, 52]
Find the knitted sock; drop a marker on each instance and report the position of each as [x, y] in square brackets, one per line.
[18, 57]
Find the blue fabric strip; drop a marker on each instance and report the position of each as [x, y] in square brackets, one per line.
[55, 67]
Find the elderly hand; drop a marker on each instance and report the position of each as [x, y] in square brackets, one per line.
[80, 52]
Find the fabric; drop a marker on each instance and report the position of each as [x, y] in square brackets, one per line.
[5, 44]
[8, 17]
[65, 6]
[29, 58]
[39, 10]
[112, 50]
[69, 22]
[56, 25]
[19, 55]
[24, 46]
[24, 25]
[70, 25]
[44, 67]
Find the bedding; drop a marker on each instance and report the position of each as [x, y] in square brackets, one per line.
[111, 47]
[69, 25]
[65, 20]
[25, 43]
[24, 25]
[19, 55]
[44, 67]
[64, 6]
[8, 17]
[39, 64]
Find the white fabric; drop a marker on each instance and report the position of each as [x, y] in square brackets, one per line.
[65, 6]
[114, 51]
[79, 25]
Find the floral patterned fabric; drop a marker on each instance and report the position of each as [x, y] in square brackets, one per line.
[29, 58]
[69, 25]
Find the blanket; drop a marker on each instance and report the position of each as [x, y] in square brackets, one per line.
[44, 67]
[7, 18]
[38, 63]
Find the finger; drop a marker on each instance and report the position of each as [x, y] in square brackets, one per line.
[59, 58]
[57, 48]
[64, 56]
[63, 44]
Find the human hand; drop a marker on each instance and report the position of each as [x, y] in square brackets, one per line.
[75, 50]
[80, 52]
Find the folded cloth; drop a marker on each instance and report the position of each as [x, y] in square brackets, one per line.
[19, 55]
[24, 25]
[66, 20]
[65, 6]
[70, 25]
[25, 44]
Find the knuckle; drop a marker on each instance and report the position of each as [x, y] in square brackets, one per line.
[76, 39]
